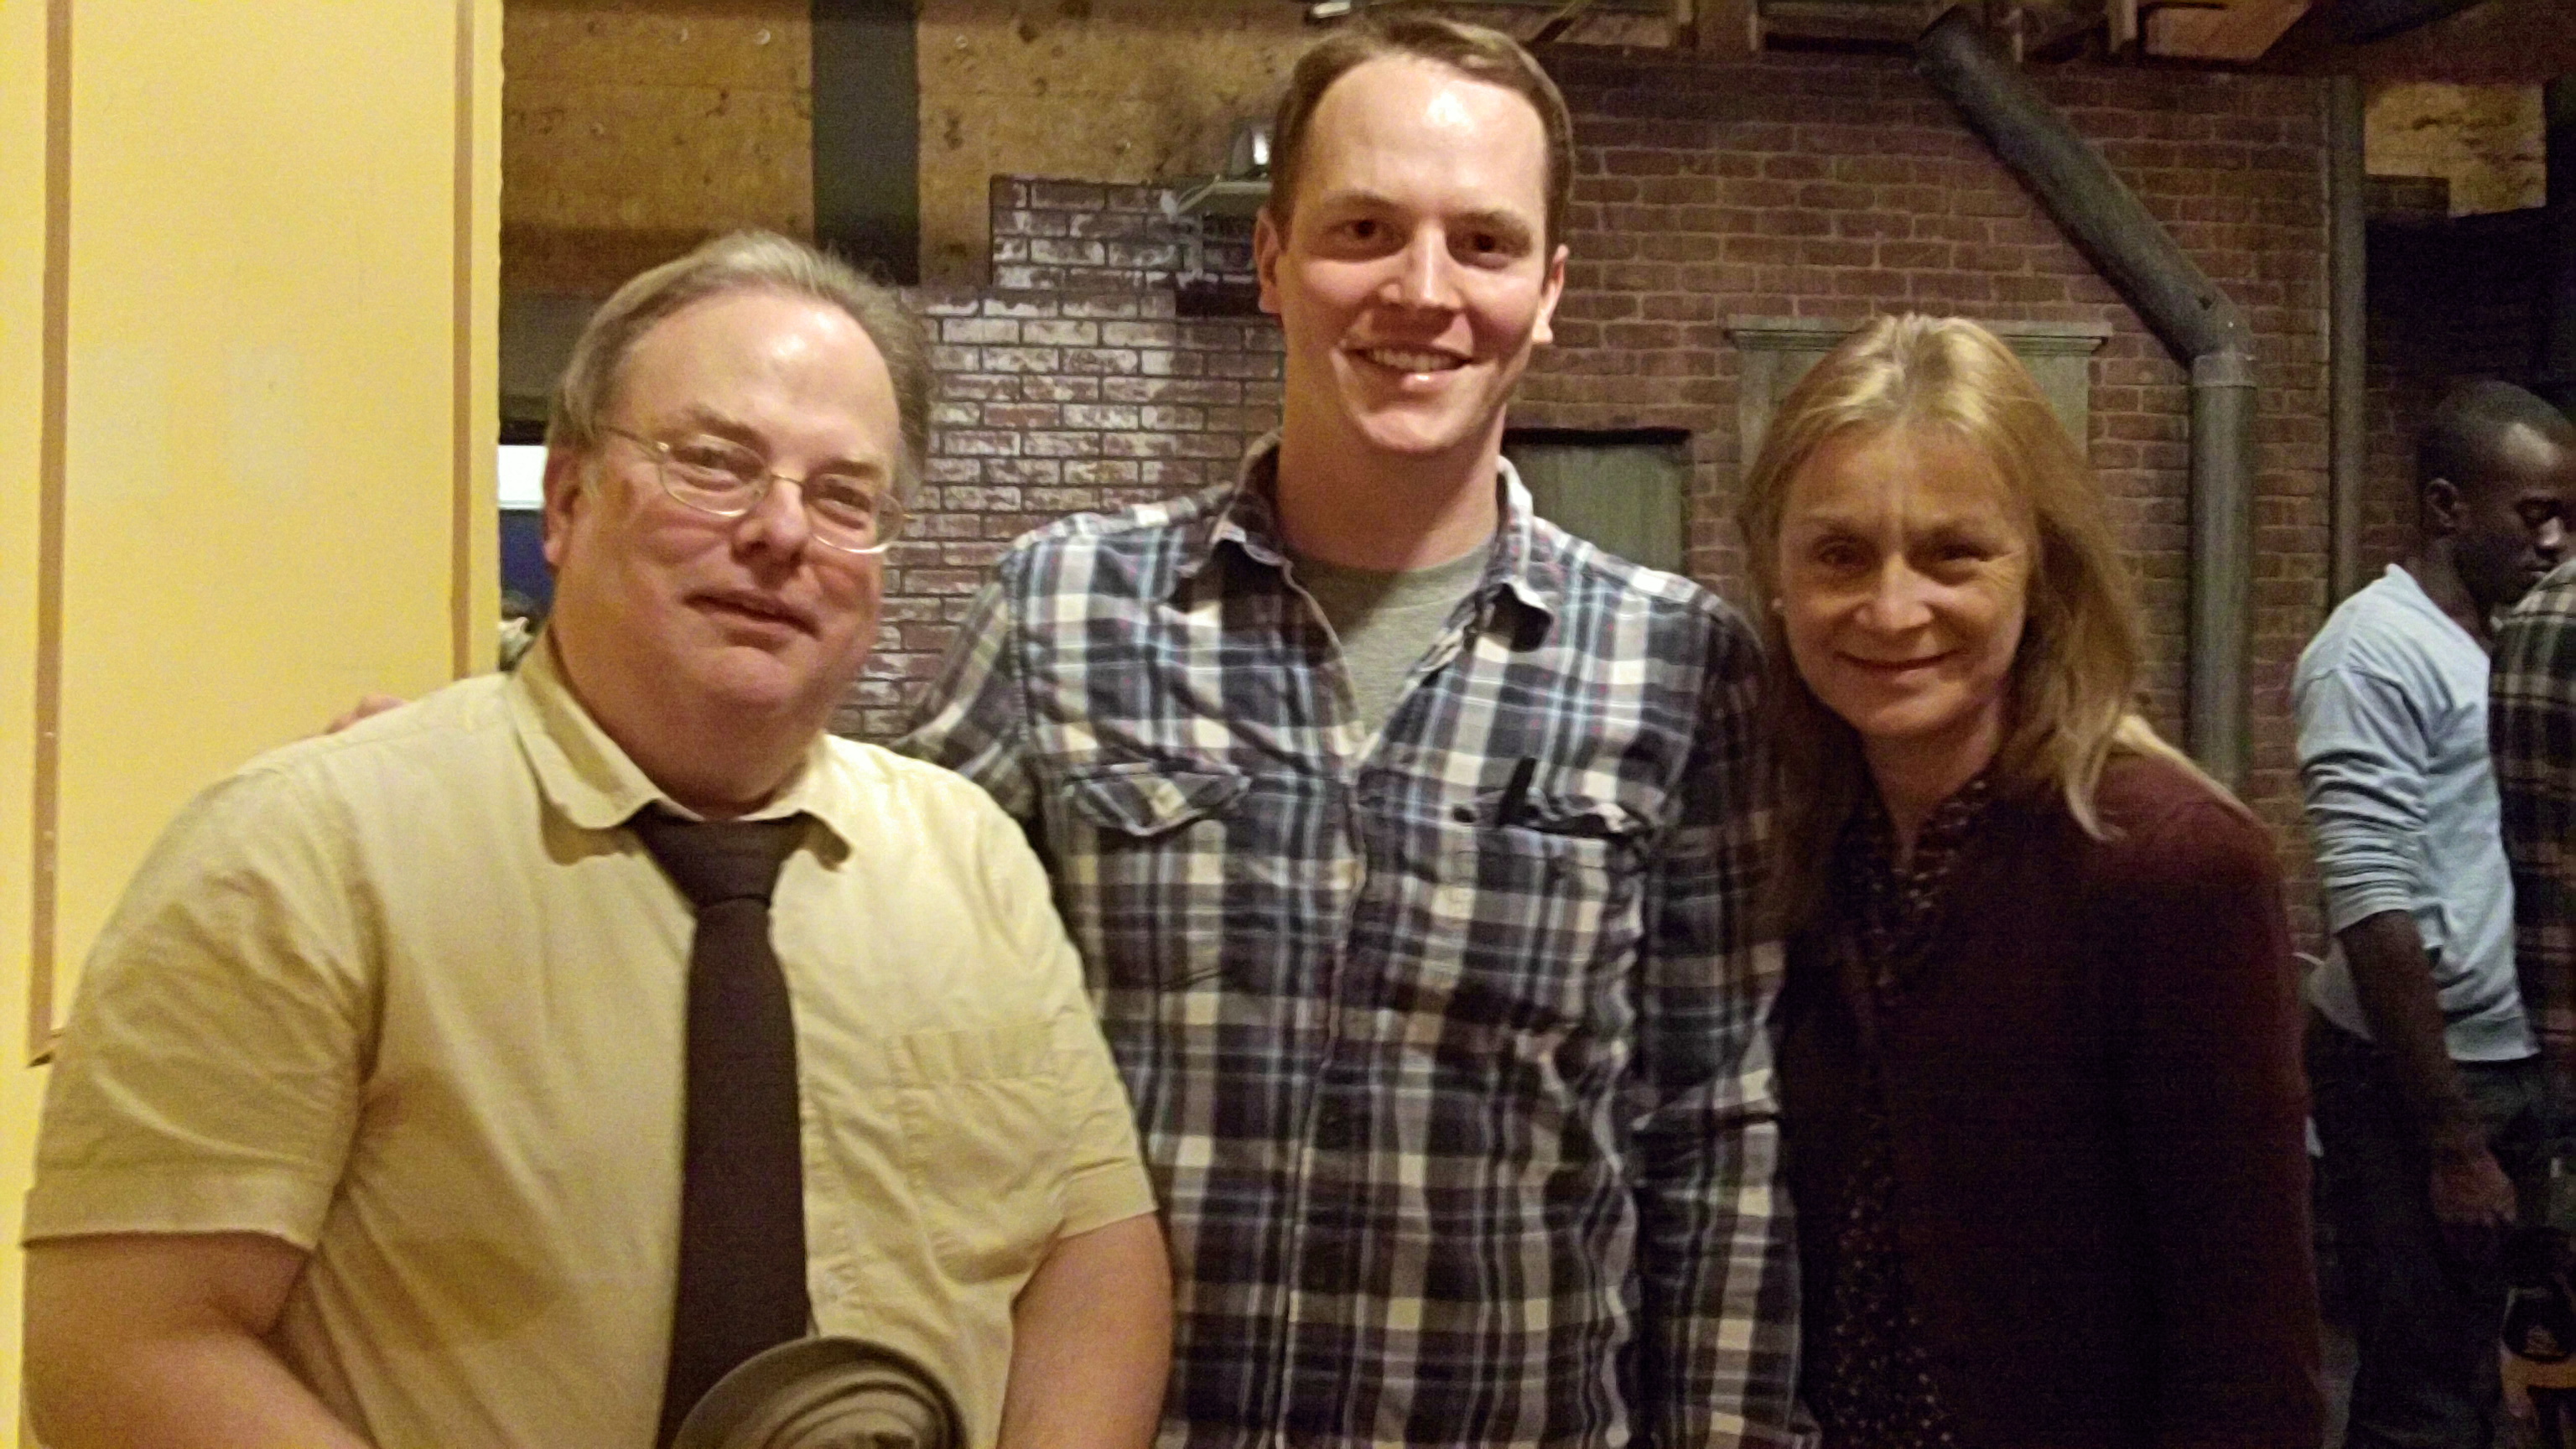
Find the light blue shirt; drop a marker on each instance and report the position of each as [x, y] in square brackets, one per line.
[2392, 704]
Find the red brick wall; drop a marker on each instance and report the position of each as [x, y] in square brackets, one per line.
[1843, 186]
[1793, 185]
[1072, 386]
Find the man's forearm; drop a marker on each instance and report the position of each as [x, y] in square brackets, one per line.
[2393, 977]
[216, 1390]
[127, 1346]
[1092, 1342]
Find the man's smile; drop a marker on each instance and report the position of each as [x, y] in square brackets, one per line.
[1409, 359]
[755, 606]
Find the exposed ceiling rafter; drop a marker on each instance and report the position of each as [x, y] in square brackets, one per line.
[2239, 30]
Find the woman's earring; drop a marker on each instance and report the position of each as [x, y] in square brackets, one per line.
[1778, 607]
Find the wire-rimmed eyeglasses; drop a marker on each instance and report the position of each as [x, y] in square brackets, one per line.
[850, 511]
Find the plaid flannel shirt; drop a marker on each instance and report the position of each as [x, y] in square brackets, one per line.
[1447, 1044]
[2531, 731]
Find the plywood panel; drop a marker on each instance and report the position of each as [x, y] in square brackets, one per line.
[2488, 141]
[637, 127]
[634, 128]
[1102, 90]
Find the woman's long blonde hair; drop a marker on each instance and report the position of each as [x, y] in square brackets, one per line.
[2072, 697]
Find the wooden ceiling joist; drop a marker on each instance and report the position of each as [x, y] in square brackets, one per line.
[2237, 30]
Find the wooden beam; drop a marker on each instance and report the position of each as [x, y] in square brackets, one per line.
[2241, 30]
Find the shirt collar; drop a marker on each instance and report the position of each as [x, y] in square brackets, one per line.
[1248, 519]
[2410, 592]
[584, 774]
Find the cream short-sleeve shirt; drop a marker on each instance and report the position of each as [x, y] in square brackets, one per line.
[410, 998]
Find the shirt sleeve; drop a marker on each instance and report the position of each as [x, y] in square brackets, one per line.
[2213, 1102]
[1719, 1341]
[2364, 757]
[1103, 1179]
[972, 719]
[2531, 722]
[209, 1079]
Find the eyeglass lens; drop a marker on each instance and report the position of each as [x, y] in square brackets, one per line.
[724, 477]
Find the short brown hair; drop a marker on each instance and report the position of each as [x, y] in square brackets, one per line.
[744, 261]
[1471, 50]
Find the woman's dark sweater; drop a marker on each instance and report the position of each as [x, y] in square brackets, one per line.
[2097, 1109]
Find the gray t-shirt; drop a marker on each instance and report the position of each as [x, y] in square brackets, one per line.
[1386, 622]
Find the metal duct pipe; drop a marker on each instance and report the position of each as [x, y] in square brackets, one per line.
[2557, 369]
[2196, 321]
[2220, 630]
[2347, 335]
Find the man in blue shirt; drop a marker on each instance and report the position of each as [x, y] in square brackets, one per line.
[2430, 1099]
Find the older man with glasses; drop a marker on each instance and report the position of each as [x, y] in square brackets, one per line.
[509, 1068]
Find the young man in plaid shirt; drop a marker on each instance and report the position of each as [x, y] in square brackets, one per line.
[2531, 719]
[1409, 843]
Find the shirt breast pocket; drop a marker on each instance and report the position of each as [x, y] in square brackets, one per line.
[983, 1146]
[1531, 915]
[1149, 856]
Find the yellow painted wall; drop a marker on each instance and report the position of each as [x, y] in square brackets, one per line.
[278, 482]
[22, 246]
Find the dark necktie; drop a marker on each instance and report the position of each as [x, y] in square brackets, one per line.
[742, 1192]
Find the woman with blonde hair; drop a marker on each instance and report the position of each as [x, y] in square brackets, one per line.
[2038, 1046]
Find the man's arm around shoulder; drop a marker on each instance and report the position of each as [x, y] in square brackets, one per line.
[159, 1339]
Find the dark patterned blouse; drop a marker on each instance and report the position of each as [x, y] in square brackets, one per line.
[1869, 1382]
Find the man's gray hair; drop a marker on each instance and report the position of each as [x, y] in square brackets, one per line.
[745, 261]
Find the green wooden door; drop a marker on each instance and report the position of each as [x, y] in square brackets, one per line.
[1626, 492]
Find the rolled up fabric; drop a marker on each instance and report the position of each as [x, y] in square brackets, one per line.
[825, 1393]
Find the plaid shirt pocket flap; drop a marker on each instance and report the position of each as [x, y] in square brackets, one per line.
[1147, 798]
